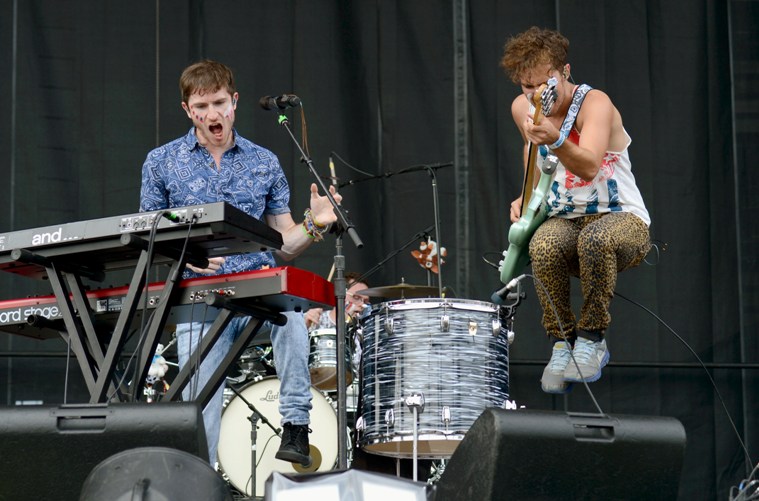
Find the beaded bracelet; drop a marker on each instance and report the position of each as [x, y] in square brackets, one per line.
[311, 228]
[559, 142]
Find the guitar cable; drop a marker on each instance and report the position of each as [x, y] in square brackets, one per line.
[748, 482]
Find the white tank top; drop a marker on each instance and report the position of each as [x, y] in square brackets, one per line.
[612, 190]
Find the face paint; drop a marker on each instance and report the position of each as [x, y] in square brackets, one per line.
[230, 112]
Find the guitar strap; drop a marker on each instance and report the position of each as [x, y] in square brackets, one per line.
[566, 128]
[574, 109]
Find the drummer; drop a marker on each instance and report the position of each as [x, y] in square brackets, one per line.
[317, 318]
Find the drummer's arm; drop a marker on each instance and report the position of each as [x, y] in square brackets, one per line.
[312, 317]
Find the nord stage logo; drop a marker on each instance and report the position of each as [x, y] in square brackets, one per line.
[19, 315]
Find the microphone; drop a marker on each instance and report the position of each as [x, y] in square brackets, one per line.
[499, 295]
[279, 102]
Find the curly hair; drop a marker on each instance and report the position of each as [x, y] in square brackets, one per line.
[532, 48]
[207, 76]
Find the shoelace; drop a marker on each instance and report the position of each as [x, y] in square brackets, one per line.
[583, 351]
[559, 359]
[297, 431]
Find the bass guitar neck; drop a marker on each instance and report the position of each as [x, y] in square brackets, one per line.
[516, 256]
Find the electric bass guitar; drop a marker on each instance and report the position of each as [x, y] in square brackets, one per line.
[516, 257]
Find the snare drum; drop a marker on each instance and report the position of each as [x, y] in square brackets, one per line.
[449, 355]
[235, 441]
[322, 362]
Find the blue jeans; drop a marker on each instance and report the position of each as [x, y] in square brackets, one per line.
[291, 348]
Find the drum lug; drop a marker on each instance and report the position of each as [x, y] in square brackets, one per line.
[389, 325]
[389, 418]
[445, 322]
[445, 414]
[497, 327]
[472, 328]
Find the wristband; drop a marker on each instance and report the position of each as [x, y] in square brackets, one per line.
[311, 228]
[559, 142]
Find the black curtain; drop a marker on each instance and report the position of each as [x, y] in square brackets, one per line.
[91, 87]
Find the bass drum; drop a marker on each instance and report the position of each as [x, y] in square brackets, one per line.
[235, 437]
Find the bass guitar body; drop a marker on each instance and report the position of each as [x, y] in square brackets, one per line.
[517, 256]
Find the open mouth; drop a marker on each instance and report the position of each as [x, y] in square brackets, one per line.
[216, 129]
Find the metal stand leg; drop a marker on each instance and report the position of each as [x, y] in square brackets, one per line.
[253, 448]
[415, 402]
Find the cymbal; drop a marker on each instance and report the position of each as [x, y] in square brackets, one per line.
[401, 291]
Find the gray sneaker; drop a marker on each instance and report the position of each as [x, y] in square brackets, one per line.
[553, 375]
[591, 357]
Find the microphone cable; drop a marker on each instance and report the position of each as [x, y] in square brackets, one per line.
[711, 380]
[563, 336]
[350, 166]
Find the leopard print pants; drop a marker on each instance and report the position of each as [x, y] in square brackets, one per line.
[594, 248]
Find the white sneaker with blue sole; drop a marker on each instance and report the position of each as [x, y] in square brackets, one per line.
[553, 375]
[591, 357]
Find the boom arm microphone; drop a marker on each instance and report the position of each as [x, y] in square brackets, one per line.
[279, 102]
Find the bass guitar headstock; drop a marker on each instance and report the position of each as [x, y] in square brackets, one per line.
[544, 99]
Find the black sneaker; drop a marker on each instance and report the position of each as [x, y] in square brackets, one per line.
[294, 447]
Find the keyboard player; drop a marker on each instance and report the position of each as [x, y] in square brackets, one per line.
[213, 163]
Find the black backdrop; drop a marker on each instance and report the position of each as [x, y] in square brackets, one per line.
[89, 87]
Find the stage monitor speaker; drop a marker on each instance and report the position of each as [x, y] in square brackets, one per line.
[155, 474]
[47, 452]
[345, 485]
[542, 455]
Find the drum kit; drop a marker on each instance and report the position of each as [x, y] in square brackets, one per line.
[421, 370]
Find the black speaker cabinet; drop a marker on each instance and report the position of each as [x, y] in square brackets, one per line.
[46, 452]
[543, 455]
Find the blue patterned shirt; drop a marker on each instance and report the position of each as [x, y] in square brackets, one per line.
[183, 172]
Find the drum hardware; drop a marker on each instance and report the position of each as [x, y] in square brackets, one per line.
[436, 472]
[415, 402]
[390, 326]
[445, 415]
[472, 328]
[445, 323]
[496, 326]
[255, 360]
[400, 291]
[389, 419]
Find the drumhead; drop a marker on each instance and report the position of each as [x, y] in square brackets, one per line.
[235, 438]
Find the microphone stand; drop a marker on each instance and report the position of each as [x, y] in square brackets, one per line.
[436, 210]
[254, 418]
[414, 168]
[377, 266]
[343, 225]
[431, 168]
